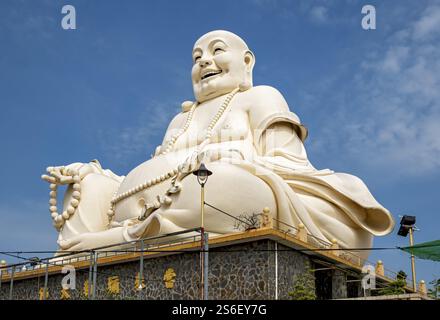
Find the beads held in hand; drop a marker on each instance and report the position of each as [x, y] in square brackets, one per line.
[60, 219]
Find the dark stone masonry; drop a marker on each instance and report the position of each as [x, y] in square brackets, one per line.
[239, 271]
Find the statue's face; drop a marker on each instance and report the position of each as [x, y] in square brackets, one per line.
[222, 62]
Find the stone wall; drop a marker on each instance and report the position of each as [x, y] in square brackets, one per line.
[241, 271]
[339, 284]
[290, 265]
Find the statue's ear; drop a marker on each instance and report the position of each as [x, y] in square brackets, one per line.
[249, 60]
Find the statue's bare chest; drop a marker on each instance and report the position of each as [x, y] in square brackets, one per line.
[231, 125]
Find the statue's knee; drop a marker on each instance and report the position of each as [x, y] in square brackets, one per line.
[233, 183]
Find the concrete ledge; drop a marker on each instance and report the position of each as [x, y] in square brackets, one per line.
[218, 241]
[214, 242]
[406, 296]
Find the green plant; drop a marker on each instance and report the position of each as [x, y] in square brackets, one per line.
[247, 222]
[434, 292]
[395, 287]
[304, 286]
[109, 295]
[401, 275]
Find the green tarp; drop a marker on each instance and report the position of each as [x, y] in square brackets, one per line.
[427, 250]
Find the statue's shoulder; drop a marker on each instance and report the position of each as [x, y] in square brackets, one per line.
[178, 118]
[265, 90]
[264, 101]
[187, 105]
[269, 106]
[267, 98]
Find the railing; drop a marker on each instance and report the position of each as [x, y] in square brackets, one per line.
[133, 249]
[160, 243]
[290, 229]
[390, 274]
[348, 255]
[157, 243]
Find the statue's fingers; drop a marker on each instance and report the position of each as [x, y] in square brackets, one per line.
[56, 174]
[195, 157]
[48, 178]
[66, 180]
[69, 171]
[56, 169]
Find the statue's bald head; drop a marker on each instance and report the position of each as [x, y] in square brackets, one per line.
[232, 38]
[222, 62]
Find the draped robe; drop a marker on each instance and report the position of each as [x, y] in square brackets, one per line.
[330, 205]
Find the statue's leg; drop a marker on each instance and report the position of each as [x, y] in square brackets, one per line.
[335, 224]
[91, 215]
[230, 189]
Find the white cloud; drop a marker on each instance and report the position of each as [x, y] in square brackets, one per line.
[319, 14]
[138, 138]
[394, 58]
[429, 25]
[390, 119]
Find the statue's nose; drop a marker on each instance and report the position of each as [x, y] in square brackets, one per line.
[204, 63]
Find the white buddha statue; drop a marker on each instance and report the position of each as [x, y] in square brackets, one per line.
[253, 144]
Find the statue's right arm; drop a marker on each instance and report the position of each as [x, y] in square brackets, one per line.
[124, 232]
[63, 174]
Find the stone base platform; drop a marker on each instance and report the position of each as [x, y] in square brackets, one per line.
[256, 264]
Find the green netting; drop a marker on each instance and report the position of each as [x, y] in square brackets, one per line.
[427, 250]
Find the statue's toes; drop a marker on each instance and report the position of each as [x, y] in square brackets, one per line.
[69, 244]
[64, 244]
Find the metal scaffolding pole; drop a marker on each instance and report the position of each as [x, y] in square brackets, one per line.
[46, 279]
[202, 266]
[95, 271]
[202, 245]
[276, 270]
[89, 289]
[206, 266]
[11, 287]
[413, 260]
[141, 267]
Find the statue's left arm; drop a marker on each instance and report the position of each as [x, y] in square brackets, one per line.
[278, 139]
[277, 132]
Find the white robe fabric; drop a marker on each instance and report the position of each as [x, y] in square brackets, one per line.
[329, 204]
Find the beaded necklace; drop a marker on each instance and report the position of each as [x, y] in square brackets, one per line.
[174, 172]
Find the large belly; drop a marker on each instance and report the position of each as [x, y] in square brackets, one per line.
[148, 171]
[133, 206]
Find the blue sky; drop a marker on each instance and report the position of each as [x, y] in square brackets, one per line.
[370, 99]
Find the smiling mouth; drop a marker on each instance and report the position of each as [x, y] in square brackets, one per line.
[211, 74]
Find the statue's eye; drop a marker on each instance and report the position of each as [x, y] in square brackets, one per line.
[196, 58]
[218, 50]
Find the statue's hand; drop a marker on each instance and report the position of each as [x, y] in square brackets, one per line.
[64, 174]
[193, 162]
